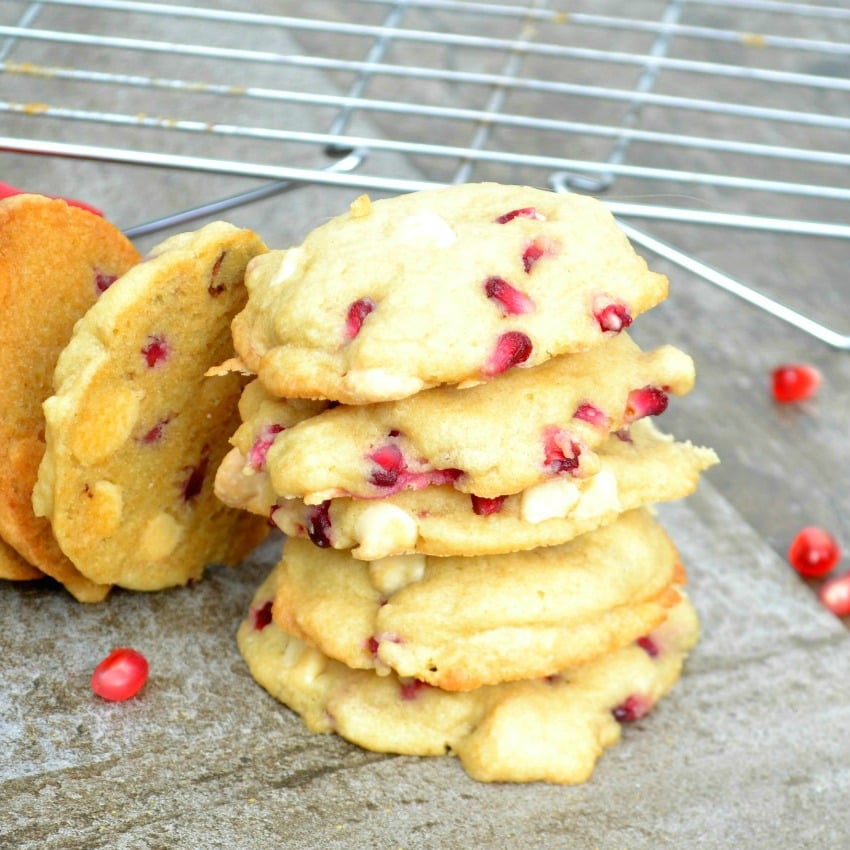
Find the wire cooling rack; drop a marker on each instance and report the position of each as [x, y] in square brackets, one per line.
[690, 111]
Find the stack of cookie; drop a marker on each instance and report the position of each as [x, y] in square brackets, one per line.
[451, 425]
[110, 429]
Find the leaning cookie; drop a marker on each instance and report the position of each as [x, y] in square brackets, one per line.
[135, 429]
[552, 729]
[491, 440]
[14, 568]
[460, 623]
[637, 468]
[56, 261]
[378, 303]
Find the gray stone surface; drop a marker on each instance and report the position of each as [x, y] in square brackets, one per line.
[749, 751]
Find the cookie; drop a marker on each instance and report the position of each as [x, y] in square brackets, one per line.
[56, 261]
[459, 623]
[637, 468]
[13, 567]
[552, 729]
[378, 304]
[135, 430]
[492, 440]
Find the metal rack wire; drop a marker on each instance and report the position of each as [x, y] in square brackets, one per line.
[399, 95]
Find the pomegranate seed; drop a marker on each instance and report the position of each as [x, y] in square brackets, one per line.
[120, 675]
[512, 348]
[7, 191]
[533, 252]
[593, 415]
[624, 435]
[631, 709]
[484, 507]
[438, 477]
[372, 645]
[155, 433]
[156, 351]
[319, 525]
[103, 281]
[523, 212]
[262, 616]
[390, 464]
[813, 552]
[648, 401]
[194, 482]
[410, 690]
[257, 453]
[648, 645]
[613, 317]
[215, 289]
[511, 301]
[560, 452]
[357, 314]
[795, 382]
[835, 595]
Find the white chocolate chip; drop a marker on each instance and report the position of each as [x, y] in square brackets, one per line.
[383, 529]
[237, 489]
[106, 426]
[600, 495]
[381, 383]
[426, 227]
[160, 537]
[310, 665]
[389, 575]
[361, 206]
[289, 266]
[105, 507]
[548, 500]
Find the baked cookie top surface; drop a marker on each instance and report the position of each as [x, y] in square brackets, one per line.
[135, 430]
[492, 439]
[439, 287]
[552, 729]
[459, 622]
[637, 468]
[56, 261]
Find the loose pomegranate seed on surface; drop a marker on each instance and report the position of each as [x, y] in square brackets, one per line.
[813, 552]
[795, 382]
[357, 313]
[512, 348]
[7, 190]
[511, 301]
[120, 675]
[835, 595]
